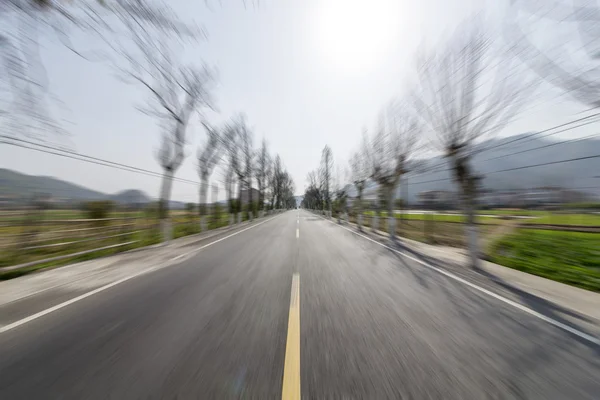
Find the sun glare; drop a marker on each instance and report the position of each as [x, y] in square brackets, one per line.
[356, 34]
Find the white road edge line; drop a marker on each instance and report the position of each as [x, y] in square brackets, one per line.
[115, 283]
[503, 299]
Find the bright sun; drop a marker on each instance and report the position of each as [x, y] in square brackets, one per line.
[355, 34]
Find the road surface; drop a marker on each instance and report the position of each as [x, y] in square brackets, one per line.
[295, 306]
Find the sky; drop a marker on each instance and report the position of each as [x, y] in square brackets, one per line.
[306, 73]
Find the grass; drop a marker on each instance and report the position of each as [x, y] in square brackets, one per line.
[538, 217]
[440, 232]
[148, 233]
[512, 212]
[566, 219]
[568, 257]
[439, 217]
[58, 263]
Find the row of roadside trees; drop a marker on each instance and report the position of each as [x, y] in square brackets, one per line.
[231, 146]
[464, 92]
[144, 43]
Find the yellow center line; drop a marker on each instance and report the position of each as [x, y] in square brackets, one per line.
[291, 369]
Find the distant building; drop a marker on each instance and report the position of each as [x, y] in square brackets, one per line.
[370, 195]
[534, 197]
[438, 199]
[501, 198]
[249, 196]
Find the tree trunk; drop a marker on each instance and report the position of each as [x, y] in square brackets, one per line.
[403, 195]
[359, 216]
[163, 205]
[202, 209]
[471, 229]
[391, 218]
[203, 190]
[468, 184]
[240, 188]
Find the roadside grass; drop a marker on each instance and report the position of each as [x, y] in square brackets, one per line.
[433, 231]
[538, 217]
[437, 217]
[566, 219]
[568, 257]
[5, 275]
[144, 231]
[512, 212]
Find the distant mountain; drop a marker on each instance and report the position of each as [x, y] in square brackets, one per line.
[501, 154]
[519, 151]
[16, 184]
[131, 196]
[22, 186]
[176, 205]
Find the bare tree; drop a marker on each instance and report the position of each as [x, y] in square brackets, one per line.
[26, 104]
[262, 166]
[239, 145]
[392, 149]
[272, 181]
[248, 157]
[325, 172]
[288, 198]
[576, 72]
[208, 157]
[468, 90]
[176, 92]
[279, 182]
[313, 197]
[268, 185]
[360, 172]
[230, 142]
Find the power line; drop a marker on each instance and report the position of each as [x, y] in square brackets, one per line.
[544, 164]
[433, 168]
[543, 147]
[89, 159]
[547, 130]
[516, 168]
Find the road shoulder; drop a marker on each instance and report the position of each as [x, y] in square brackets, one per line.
[30, 294]
[546, 296]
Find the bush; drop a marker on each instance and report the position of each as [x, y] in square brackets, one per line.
[217, 211]
[234, 206]
[190, 208]
[98, 209]
[151, 210]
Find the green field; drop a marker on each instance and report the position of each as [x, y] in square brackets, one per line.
[434, 231]
[437, 217]
[512, 212]
[538, 217]
[53, 227]
[566, 219]
[569, 257]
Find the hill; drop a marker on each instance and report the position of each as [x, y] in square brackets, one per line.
[499, 154]
[131, 196]
[16, 184]
[508, 153]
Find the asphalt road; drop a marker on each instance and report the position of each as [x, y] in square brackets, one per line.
[372, 325]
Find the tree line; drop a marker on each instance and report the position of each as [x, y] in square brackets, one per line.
[143, 43]
[465, 91]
